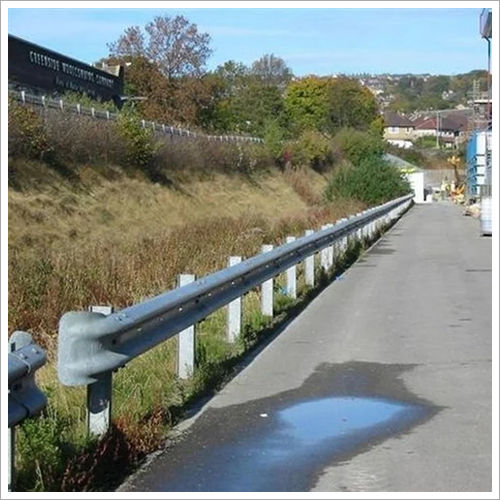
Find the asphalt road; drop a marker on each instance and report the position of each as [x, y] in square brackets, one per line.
[383, 383]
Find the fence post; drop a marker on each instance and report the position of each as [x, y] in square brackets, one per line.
[78, 108]
[23, 96]
[186, 340]
[107, 115]
[291, 275]
[43, 101]
[309, 264]
[266, 297]
[61, 104]
[324, 255]
[233, 309]
[92, 112]
[99, 394]
[11, 444]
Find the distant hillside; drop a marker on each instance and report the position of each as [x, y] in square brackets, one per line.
[408, 92]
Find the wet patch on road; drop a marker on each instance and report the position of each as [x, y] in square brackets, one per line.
[284, 442]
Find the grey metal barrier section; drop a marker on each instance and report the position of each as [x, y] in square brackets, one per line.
[61, 105]
[93, 345]
[25, 398]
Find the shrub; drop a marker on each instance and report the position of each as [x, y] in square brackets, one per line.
[27, 136]
[312, 149]
[356, 145]
[373, 181]
[139, 145]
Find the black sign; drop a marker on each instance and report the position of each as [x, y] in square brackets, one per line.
[37, 67]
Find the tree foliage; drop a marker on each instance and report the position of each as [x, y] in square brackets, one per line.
[271, 70]
[372, 181]
[306, 102]
[173, 44]
[351, 105]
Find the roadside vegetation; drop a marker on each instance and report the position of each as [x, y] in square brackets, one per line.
[110, 213]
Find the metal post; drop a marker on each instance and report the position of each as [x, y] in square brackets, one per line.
[99, 394]
[12, 457]
[291, 275]
[186, 340]
[11, 445]
[309, 264]
[234, 310]
[266, 297]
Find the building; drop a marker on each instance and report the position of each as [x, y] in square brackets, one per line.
[39, 70]
[398, 130]
[450, 129]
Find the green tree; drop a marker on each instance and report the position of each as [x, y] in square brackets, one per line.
[351, 105]
[306, 103]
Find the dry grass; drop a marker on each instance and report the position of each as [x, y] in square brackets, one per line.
[114, 238]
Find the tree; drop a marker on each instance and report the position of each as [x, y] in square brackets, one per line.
[272, 70]
[351, 105]
[164, 62]
[172, 43]
[307, 102]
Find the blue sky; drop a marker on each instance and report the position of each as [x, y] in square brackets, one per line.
[319, 41]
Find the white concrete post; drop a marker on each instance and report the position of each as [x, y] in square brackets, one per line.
[309, 264]
[359, 232]
[325, 253]
[186, 340]
[291, 275]
[92, 112]
[78, 108]
[233, 310]
[344, 239]
[23, 96]
[266, 295]
[330, 250]
[99, 394]
[61, 104]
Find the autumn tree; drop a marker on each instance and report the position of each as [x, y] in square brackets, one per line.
[271, 70]
[172, 43]
[164, 62]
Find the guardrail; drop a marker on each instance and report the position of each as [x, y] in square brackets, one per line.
[94, 344]
[59, 104]
[25, 398]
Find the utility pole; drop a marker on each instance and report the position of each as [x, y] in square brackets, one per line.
[437, 129]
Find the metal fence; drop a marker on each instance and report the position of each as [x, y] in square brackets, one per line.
[100, 114]
[93, 344]
[25, 398]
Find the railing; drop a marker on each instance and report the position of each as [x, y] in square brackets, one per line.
[25, 398]
[61, 105]
[93, 344]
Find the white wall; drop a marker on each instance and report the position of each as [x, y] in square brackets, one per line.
[416, 181]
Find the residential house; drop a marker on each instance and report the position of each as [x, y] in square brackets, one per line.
[398, 130]
[450, 129]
